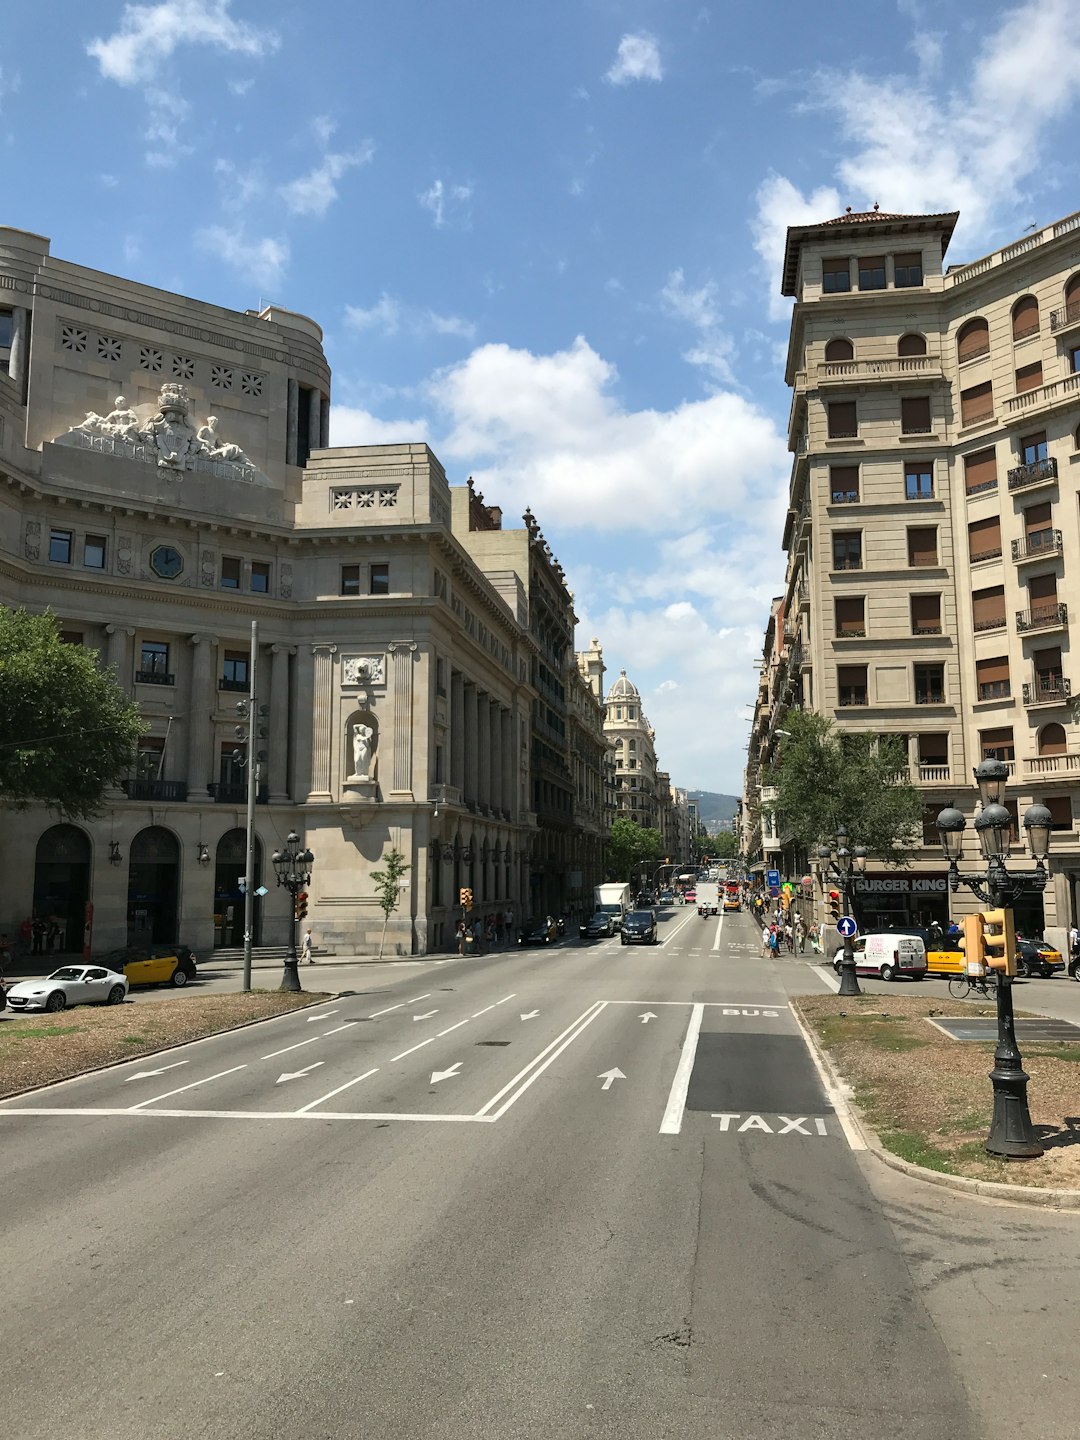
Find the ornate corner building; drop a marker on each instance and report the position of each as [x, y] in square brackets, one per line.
[167, 480]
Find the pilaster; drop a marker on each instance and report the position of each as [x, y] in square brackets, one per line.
[200, 768]
[323, 719]
[403, 656]
[279, 721]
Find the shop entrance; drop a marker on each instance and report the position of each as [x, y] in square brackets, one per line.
[61, 888]
[153, 887]
[230, 866]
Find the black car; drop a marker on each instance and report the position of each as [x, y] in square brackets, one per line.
[639, 928]
[597, 927]
[540, 932]
[646, 900]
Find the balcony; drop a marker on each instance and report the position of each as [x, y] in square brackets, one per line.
[1039, 472]
[1036, 546]
[1044, 397]
[1041, 766]
[1043, 617]
[137, 788]
[234, 792]
[153, 677]
[240, 686]
[996, 690]
[990, 622]
[1066, 318]
[892, 369]
[927, 773]
[1048, 689]
[852, 699]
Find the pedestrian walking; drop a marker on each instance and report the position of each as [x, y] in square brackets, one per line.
[460, 937]
[766, 936]
[509, 920]
[800, 936]
[478, 936]
[1074, 941]
[789, 938]
[774, 943]
[52, 934]
[305, 949]
[492, 934]
[38, 928]
[500, 927]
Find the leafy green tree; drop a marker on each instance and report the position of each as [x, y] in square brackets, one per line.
[67, 730]
[826, 778]
[388, 889]
[725, 845]
[632, 847]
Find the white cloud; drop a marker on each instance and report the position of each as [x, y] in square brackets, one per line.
[714, 349]
[149, 35]
[315, 192]
[389, 316]
[780, 204]
[262, 261]
[323, 128]
[666, 685]
[353, 425]
[240, 87]
[637, 58]
[447, 202]
[239, 187]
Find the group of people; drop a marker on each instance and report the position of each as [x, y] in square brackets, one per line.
[481, 933]
[783, 932]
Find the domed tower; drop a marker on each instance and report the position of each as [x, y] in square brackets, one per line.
[629, 731]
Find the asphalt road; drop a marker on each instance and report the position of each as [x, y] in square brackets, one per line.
[593, 1191]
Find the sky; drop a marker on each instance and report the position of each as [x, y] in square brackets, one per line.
[545, 239]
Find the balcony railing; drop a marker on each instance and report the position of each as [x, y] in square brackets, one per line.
[927, 628]
[153, 677]
[1037, 545]
[997, 690]
[892, 367]
[1038, 472]
[137, 788]
[976, 417]
[847, 562]
[234, 792]
[994, 553]
[1057, 392]
[1065, 764]
[240, 686]
[1047, 689]
[852, 698]
[932, 774]
[983, 487]
[845, 434]
[990, 622]
[1069, 315]
[929, 697]
[1042, 617]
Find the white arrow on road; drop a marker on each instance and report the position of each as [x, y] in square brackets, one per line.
[530, 1014]
[609, 1077]
[648, 1015]
[324, 1016]
[437, 1075]
[296, 1074]
[145, 1074]
[427, 1016]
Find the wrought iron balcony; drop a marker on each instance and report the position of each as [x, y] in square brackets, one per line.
[1038, 472]
[137, 788]
[1054, 616]
[234, 792]
[1047, 689]
[240, 686]
[1069, 315]
[153, 677]
[998, 690]
[1035, 546]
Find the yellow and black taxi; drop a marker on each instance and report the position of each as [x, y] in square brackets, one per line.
[154, 964]
[1033, 957]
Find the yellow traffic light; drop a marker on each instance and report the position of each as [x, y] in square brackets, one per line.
[999, 941]
[465, 898]
[973, 945]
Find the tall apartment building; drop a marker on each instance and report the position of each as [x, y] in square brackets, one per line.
[634, 742]
[932, 536]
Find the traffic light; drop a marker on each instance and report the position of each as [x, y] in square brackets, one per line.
[301, 905]
[973, 944]
[999, 941]
[465, 898]
[834, 905]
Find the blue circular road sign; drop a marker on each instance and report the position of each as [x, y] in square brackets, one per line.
[846, 926]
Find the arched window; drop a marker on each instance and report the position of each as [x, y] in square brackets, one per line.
[618, 743]
[1052, 740]
[973, 340]
[839, 350]
[633, 745]
[1025, 317]
[911, 345]
[1072, 299]
[1076, 439]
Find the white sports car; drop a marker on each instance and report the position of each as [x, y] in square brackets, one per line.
[70, 985]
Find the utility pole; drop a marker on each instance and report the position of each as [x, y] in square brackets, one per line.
[252, 786]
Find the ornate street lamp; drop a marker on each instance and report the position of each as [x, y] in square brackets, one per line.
[836, 862]
[1012, 1134]
[293, 869]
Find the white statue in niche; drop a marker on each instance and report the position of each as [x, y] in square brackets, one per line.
[363, 737]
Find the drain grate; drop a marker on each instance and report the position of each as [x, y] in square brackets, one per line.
[491, 1042]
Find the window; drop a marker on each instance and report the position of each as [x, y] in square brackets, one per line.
[71, 637]
[934, 749]
[915, 415]
[154, 663]
[1074, 359]
[872, 272]
[1038, 526]
[977, 404]
[1048, 674]
[844, 484]
[379, 580]
[907, 271]
[93, 555]
[260, 577]
[631, 714]
[930, 833]
[984, 539]
[835, 276]
[1043, 597]
[1025, 318]
[847, 549]
[851, 615]
[1052, 740]
[851, 684]
[350, 579]
[909, 346]
[839, 350]
[919, 480]
[988, 608]
[980, 471]
[60, 547]
[1060, 807]
[1029, 377]
[231, 567]
[1033, 448]
[922, 545]
[973, 340]
[929, 684]
[7, 328]
[997, 744]
[843, 420]
[149, 757]
[234, 670]
[926, 614]
[992, 678]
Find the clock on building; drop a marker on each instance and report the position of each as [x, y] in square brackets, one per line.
[166, 561]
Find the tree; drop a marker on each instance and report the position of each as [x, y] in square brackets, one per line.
[388, 889]
[630, 846]
[725, 845]
[826, 778]
[68, 730]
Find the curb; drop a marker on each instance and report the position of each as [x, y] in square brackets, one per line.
[161, 1050]
[1040, 1198]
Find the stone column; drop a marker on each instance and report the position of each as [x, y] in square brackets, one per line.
[20, 326]
[323, 721]
[403, 718]
[506, 721]
[472, 735]
[314, 418]
[483, 751]
[457, 729]
[324, 423]
[292, 422]
[200, 767]
[498, 801]
[117, 654]
[279, 721]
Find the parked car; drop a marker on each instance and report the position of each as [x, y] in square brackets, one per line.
[597, 927]
[639, 928]
[70, 985]
[1036, 957]
[889, 954]
[154, 964]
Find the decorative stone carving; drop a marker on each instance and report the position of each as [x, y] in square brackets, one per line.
[285, 582]
[363, 743]
[123, 554]
[363, 670]
[32, 543]
[208, 570]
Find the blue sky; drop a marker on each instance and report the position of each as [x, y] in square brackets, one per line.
[545, 239]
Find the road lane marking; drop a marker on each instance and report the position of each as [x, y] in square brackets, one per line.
[426, 996]
[145, 1074]
[258, 1115]
[758, 1122]
[530, 1015]
[437, 1075]
[719, 930]
[453, 1027]
[673, 1115]
[505, 998]
[609, 1077]
[205, 1081]
[312, 1018]
[676, 931]
[348, 1084]
[298, 1074]
[413, 1049]
[570, 1033]
[481, 1012]
[646, 1017]
[837, 1098]
[310, 1041]
[830, 979]
[399, 1006]
[426, 1016]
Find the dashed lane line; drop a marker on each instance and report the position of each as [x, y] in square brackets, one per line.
[347, 1086]
[169, 1093]
[322, 1035]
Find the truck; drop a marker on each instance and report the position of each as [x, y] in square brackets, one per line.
[708, 897]
[613, 900]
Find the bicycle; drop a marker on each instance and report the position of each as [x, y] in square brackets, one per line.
[961, 986]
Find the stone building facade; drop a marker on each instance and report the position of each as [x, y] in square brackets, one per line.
[634, 743]
[166, 483]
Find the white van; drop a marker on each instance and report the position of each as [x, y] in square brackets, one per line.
[888, 954]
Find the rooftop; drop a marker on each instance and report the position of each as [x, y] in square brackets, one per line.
[877, 222]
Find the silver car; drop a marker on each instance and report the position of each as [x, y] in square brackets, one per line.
[70, 985]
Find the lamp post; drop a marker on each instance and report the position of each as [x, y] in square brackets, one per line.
[1012, 1134]
[837, 862]
[293, 868]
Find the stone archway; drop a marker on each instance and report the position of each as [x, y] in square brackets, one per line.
[230, 863]
[153, 887]
[61, 887]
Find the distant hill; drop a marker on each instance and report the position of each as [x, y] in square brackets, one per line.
[715, 810]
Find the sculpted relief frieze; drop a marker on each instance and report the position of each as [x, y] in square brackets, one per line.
[363, 670]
